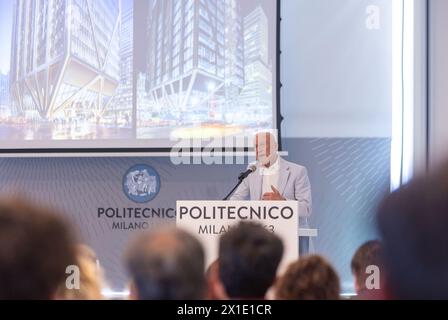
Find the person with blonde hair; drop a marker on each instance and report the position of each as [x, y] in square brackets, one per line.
[309, 278]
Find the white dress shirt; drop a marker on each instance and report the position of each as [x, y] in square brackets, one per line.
[270, 177]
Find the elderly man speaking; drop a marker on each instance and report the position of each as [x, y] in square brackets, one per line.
[275, 178]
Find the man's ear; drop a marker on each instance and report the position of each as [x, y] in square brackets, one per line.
[271, 293]
[356, 285]
[385, 290]
[133, 292]
[58, 295]
[218, 290]
[217, 287]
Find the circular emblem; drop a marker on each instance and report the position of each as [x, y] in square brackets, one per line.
[141, 183]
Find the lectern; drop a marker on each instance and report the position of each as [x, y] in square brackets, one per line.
[208, 220]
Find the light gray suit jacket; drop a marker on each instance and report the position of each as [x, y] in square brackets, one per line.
[293, 184]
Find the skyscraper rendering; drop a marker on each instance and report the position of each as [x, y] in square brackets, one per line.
[234, 54]
[144, 104]
[4, 95]
[65, 58]
[4, 89]
[189, 65]
[257, 93]
[124, 69]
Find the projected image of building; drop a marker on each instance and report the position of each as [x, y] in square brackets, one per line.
[120, 112]
[65, 61]
[256, 96]
[234, 55]
[145, 106]
[195, 58]
[4, 95]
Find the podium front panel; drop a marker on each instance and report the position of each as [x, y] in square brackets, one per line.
[208, 220]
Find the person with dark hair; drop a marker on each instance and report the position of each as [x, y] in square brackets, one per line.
[368, 255]
[249, 256]
[166, 264]
[309, 278]
[215, 289]
[36, 247]
[413, 225]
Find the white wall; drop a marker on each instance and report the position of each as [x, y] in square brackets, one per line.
[337, 87]
[438, 80]
[336, 73]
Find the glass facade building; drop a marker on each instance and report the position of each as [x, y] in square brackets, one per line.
[256, 96]
[121, 107]
[65, 58]
[4, 95]
[195, 56]
[4, 89]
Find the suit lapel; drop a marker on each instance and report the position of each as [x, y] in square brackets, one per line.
[283, 176]
[258, 183]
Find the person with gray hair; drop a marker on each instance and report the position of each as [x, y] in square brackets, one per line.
[275, 178]
[166, 264]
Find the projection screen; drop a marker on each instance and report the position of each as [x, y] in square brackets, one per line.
[98, 75]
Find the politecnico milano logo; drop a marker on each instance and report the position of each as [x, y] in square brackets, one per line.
[141, 183]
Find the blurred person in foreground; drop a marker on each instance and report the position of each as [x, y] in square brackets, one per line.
[367, 260]
[91, 279]
[413, 224]
[215, 290]
[167, 264]
[249, 256]
[36, 247]
[309, 278]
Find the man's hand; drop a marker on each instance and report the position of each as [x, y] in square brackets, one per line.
[275, 195]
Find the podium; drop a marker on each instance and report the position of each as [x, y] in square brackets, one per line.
[208, 220]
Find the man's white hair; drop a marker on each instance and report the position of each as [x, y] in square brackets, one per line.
[271, 132]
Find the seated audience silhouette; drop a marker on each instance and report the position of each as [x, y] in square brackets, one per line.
[166, 264]
[309, 278]
[36, 247]
[413, 227]
[215, 291]
[91, 280]
[249, 256]
[366, 259]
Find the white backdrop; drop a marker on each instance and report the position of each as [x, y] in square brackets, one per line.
[336, 68]
[438, 146]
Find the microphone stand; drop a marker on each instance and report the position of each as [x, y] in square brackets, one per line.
[241, 177]
[233, 190]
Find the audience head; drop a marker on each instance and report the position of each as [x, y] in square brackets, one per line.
[215, 289]
[36, 247]
[166, 264]
[368, 254]
[249, 256]
[91, 277]
[309, 278]
[413, 224]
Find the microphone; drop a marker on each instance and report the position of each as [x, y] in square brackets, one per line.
[243, 175]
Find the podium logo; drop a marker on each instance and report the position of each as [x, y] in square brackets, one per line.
[141, 183]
